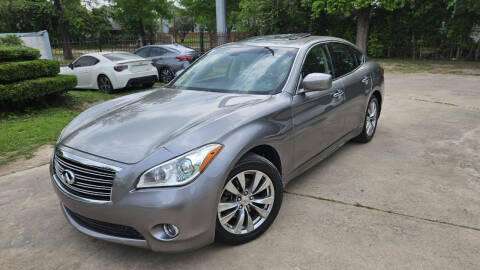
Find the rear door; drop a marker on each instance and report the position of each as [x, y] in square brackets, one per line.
[158, 55]
[317, 116]
[355, 79]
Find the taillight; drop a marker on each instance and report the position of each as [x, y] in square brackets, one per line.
[383, 71]
[120, 68]
[184, 58]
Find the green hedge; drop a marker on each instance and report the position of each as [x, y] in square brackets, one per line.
[18, 53]
[17, 71]
[31, 89]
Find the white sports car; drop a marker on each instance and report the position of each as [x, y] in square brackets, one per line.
[108, 71]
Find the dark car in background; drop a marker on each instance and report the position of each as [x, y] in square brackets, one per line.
[168, 59]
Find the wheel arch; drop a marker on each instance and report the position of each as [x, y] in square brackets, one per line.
[379, 97]
[267, 151]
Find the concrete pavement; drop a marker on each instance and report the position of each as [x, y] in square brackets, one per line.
[407, 200]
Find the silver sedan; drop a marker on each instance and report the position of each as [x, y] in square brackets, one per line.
[207, 156]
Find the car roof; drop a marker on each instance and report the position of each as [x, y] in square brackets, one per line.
[298, 40]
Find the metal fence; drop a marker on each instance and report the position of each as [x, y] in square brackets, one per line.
[201, 42]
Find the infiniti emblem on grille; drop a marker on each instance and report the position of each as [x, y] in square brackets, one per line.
[69, 177]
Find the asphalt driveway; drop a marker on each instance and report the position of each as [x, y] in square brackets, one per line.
[410, 199]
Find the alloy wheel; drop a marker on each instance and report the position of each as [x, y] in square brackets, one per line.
[371, 118]
[104, 84]
[246, 202]
[166, 75]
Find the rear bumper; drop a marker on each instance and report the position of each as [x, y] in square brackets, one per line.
[122, 78]
[142, 80]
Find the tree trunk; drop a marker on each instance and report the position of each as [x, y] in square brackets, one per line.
[414, 47]
[363, 17]
[67, 51]
[458, 55]
[477, 52]
[141, 30]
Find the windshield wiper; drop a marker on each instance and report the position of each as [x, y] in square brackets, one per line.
[273, 52]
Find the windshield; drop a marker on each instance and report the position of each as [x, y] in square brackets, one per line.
[240, 69]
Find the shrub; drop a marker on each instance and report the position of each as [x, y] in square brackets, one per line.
[16, 71]
[18, 53]
[31, 89]
[11, 40]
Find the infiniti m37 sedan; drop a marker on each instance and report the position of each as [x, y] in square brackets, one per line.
[206, 157]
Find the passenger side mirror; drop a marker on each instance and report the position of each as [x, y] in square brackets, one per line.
[70, 65]
[316, 82]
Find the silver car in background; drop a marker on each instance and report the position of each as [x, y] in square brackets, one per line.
[168, 58]
[207, 156]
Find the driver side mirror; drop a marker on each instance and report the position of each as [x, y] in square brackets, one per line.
[70, 65]
[316, 82]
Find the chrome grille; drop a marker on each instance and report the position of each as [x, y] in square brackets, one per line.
[89, 182]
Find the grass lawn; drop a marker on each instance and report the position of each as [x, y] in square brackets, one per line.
[22, 133]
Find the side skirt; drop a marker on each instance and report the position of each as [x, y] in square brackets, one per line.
[322, 155]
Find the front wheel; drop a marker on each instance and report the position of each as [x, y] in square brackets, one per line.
[250, 200]
[370, 123]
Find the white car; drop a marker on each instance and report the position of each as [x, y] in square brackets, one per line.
[108, 71]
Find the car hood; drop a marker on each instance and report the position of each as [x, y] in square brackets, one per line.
[130, 129]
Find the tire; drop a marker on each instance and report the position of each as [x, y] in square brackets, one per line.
[165, 75]
[253, 224]
[104, 84]
[370, 122]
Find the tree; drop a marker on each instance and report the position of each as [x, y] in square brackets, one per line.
[67, 51]
[359, 8]
[183, 26]
[143, 14]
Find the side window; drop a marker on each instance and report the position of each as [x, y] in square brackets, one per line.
[316, 61]
[359, 56]
[85, 61]
[344, 60]
[143, 52]
[157, 51]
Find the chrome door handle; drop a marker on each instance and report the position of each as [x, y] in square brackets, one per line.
[338, 93]
[365, 80]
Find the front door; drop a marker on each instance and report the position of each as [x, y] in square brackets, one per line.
[317, 116]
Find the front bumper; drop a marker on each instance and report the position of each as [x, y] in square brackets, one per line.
[192, 208]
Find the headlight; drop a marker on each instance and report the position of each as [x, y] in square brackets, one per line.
[180, 170]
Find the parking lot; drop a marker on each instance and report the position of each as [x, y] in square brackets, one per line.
[407, 200]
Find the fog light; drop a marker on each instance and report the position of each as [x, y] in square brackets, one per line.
[170, 230]
[165, 232]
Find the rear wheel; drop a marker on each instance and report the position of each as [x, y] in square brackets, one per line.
[370, 123]
[166, 75]
[104, 84]
[250, 201]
